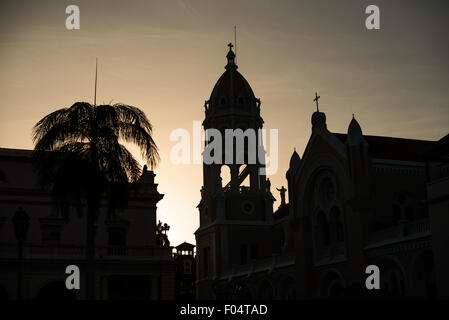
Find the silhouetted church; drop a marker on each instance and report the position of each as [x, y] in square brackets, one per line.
[354, 200]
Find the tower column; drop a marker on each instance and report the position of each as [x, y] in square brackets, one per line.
[262, 181]
[254, 178]
[234, 178]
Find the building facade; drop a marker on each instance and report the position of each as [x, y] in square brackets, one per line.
[128, 262]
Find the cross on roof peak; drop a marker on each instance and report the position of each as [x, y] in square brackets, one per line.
[316, 100]
[230, 45]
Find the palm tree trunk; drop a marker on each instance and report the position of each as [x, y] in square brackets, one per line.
[90, 253]
[92, 207]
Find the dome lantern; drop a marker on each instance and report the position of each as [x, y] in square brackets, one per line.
[231, 58]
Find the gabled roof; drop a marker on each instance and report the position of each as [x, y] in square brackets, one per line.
[185, 246]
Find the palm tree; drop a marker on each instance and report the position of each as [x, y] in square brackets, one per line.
[83, 142]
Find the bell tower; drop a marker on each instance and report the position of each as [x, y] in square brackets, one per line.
[236, 202]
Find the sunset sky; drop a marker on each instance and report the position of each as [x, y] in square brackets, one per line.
[165, 56]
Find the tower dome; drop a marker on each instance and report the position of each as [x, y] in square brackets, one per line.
[232, 95]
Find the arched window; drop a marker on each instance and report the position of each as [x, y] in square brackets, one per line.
[328, 220]
[323, 229]
[406, 208]
[225, 175]
[331, 285]
[187, 266]
[335, 289]
[392, 277]
[326, 191]
[394, 283]
[338, 225]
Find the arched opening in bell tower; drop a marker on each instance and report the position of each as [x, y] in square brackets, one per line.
[225, 175]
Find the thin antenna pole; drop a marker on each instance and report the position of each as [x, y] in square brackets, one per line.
[95, 94]
[235, 42]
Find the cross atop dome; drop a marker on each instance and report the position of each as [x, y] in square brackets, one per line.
[318, 117]
[316, 100]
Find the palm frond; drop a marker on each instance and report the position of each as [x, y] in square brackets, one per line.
[106, 116]
[130, 164]
[47, 122]
[130, 114]
[137, 135]
[87, 159]
[69, 124]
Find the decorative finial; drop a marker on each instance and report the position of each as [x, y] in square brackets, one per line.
[352, 116]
